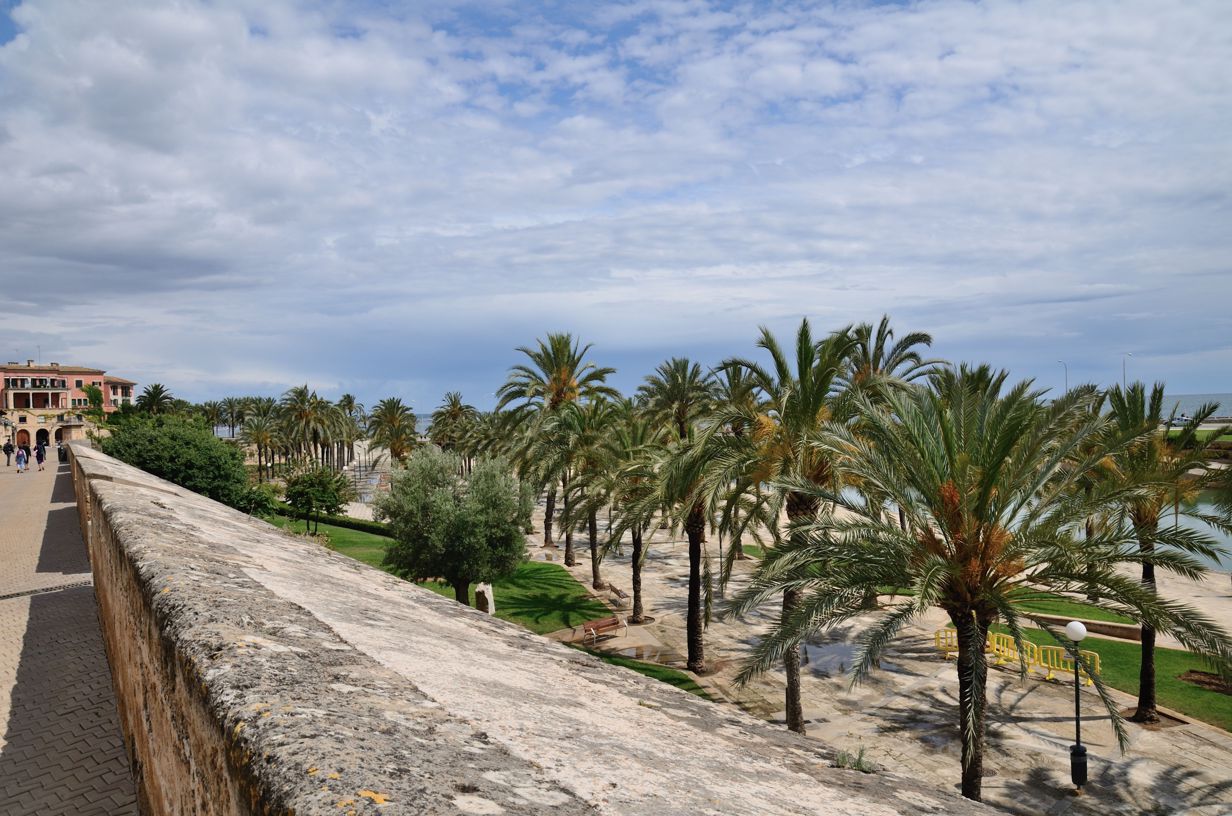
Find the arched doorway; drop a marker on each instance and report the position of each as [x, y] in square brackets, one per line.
[23, 437]
[43, 437]
[59, 435]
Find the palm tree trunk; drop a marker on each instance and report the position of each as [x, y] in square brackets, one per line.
[592, 523]
[548, 511]
[570, 560]
[695, 528]
[791, 662]
[1147, 712]
[972, 676]
[638, 615]
[799, 507]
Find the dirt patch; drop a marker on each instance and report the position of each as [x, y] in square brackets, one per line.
[1207, 680]
[1165, 721]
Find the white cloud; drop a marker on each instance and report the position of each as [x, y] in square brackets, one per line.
[214, 194]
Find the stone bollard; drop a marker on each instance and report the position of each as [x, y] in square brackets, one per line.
[485, 600]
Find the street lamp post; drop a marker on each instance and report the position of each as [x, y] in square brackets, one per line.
[1075, 631]
[1062, 362]
[1123, 358]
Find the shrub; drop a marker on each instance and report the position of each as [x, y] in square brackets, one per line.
[183, 451]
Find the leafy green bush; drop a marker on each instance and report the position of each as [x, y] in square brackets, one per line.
[461, 530]
[183, 451]
[317, 492]
[362, 525]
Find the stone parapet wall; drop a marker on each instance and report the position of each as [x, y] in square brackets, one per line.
[256, 672]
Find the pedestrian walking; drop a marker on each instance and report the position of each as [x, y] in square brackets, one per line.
[40, 454]
[21, 460]
[8, 454]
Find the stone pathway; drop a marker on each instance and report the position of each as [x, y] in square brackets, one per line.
[60, 746]
[905, 716]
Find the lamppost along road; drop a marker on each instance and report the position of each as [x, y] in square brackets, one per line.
[1062, 362]
[1123, 358]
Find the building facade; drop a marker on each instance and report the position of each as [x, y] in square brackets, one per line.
[47, 402]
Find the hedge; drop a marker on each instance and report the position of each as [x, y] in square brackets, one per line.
[364, 526]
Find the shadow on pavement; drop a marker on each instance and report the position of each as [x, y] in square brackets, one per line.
[63, 751]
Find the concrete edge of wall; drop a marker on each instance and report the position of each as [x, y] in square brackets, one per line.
[234, 699]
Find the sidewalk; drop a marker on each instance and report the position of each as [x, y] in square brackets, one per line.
[60, 746]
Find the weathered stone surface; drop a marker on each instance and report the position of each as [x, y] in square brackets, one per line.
[259, 673]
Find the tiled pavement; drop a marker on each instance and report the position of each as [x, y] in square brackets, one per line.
[60, 748]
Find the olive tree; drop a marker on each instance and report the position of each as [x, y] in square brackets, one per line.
[460, 529]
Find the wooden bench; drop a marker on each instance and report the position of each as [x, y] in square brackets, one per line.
[618, 596]
[594, 628]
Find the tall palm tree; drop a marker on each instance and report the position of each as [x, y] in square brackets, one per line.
[877, 362]
[577, 438]
[391, 425]
[211, 411]
[233, 409]
[155, 399]
[260, 431]
[353, 410]
[450, 422]
[675, 397]
[629, 484]
[557, 373]
[988, 480]
[1173, 465]
[800, 394]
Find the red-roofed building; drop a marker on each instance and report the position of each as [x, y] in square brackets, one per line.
[47, 401]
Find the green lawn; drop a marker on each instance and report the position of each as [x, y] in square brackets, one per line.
[1203, 434]
[542, 597]
[673, 677]
[361, 546]
[1119, 667]
[1057, 605]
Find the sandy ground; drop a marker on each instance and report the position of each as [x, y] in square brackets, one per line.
[905, 716]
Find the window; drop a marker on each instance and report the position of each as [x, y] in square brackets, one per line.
[79, 384]
[21, 418]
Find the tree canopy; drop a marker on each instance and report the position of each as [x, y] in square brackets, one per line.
[445, 526]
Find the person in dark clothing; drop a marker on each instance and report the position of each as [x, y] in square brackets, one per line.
[40, 454]
[8, 454]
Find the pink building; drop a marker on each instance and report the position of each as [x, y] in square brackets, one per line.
[47, 402]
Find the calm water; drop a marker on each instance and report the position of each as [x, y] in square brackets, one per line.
[1188, 403]
[1205, 506]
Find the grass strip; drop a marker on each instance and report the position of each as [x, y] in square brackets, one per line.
[655, 671]
[541, 596]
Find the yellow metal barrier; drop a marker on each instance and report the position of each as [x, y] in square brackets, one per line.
[1050, 659]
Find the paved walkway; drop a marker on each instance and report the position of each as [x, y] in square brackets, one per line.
[60, 746]
[905, 716]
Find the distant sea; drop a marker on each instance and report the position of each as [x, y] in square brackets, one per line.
[1189, 403]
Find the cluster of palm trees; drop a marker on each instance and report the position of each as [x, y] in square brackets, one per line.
[302, 426]
[866, 470]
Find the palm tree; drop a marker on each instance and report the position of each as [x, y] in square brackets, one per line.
[558, 373]
[798, 398]
[260, 431]
[155, 399]
[576, 441]
[1169, 463]
[391, 425]
[989, 480]
[876, 365]
[212, 412]
[450, 422]
[233, 412]
[674, 398]
[629, 483]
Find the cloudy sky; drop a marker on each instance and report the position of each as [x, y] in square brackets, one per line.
[386, 198]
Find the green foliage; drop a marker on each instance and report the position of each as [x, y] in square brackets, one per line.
[855, 762]
[316, 492]
[460, 530]
[362, 525]
[94, 396]
[258, 500]
[183, 451]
